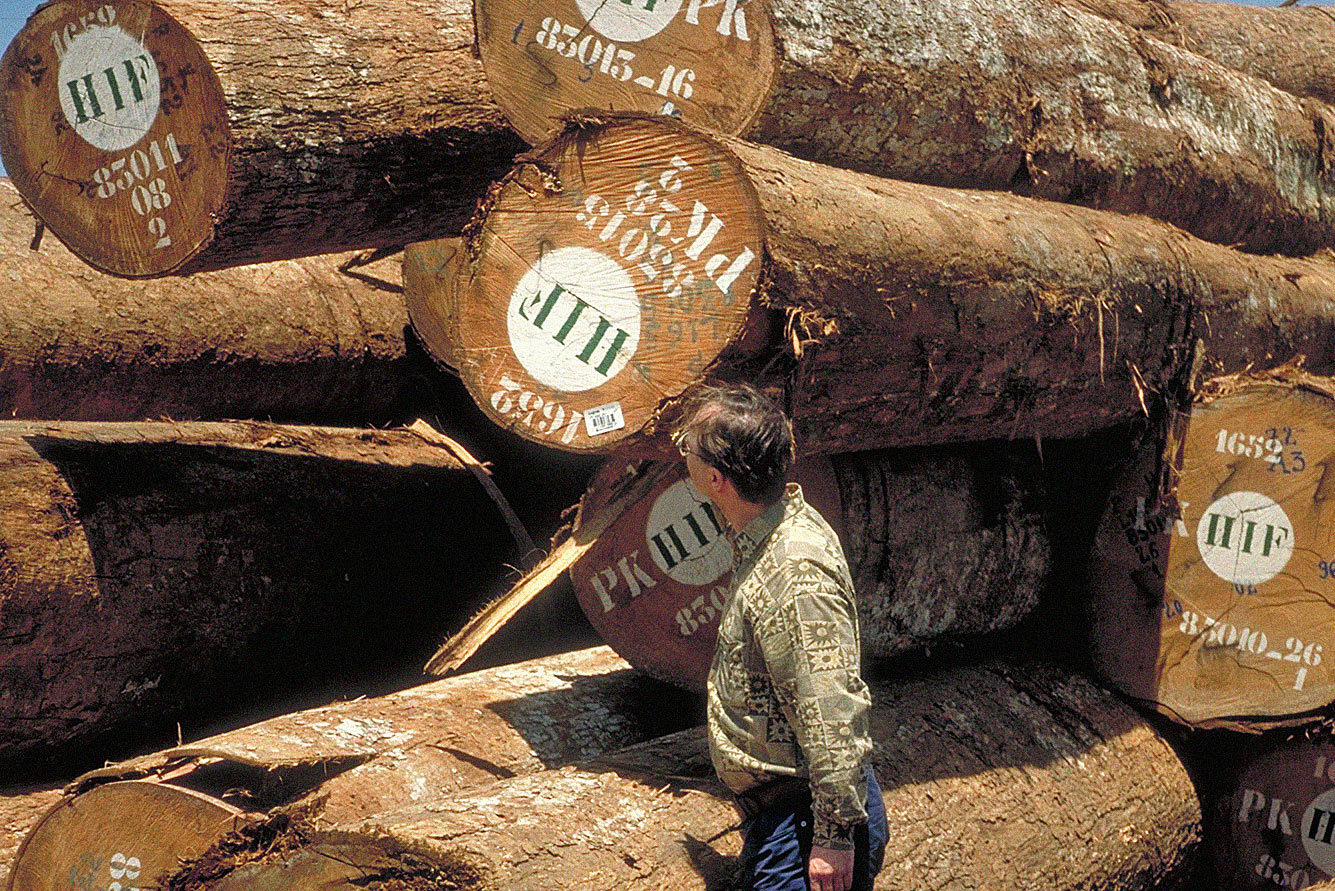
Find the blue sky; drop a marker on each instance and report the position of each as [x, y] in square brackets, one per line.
[13, 13]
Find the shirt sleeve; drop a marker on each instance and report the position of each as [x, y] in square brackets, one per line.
[811, 649]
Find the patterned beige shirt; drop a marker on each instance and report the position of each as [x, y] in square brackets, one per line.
[785, 696]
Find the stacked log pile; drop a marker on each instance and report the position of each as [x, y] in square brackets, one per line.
[942, 235]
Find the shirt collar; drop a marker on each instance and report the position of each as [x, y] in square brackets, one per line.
[754, 533]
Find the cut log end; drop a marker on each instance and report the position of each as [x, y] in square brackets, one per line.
[114, 129]
[1212, 587]
[1273, 825]
[431, 274]
[122, 834]
[621, 262]
[709, 64]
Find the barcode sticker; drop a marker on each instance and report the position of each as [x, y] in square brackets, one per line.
[604, 419]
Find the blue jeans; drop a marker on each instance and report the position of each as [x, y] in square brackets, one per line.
[777, 844]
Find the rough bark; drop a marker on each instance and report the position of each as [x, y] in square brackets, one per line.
[143, 563]
[302, 127]
[940, 546]
[20, 809]
[293, 340]
[1211, 591]
[1057, 103]
[993, 777]
[1045, 99]
[1287, 46]
[1268, 818]
[349, 760]
[910, 314]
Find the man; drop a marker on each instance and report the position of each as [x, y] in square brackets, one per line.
[787, 707]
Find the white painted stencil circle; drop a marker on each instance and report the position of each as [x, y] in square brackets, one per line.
[574, 319]
[628, 21]
[109, 88]
[1245, 538]
[1317, 828]
[683, 533]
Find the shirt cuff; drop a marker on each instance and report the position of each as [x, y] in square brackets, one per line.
[826, 833]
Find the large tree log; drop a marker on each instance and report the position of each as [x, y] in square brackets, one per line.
[619, 267]
[1212, 594]
[278, 129]
[1288, 46]
[347, 761]
[994, 777]
[145, 562]
[940, 545]
[1042, 98]
[291, 340]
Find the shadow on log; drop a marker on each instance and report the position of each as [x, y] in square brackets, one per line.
[941, 545]
[145, 563]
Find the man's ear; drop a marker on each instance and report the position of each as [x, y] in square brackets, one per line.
[719, 481]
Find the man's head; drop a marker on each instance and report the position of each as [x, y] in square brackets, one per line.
[735, 435]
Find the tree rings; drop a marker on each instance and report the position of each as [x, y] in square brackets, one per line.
[609, 272]
[125, 834]
[1212, 580]
[114, 129]
[709, 62]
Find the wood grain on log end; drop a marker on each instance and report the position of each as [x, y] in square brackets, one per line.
[1272, 823]
[611, 270]
[431, 275]
[709, 63]
[1212, 584]
[125, 834]
[113, 126]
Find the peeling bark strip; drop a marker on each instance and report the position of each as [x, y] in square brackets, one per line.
[938, 546]
[914, 315]
[144, 562]
[265, 130]
[1043, 98]
[293, 340]
[347, 761]
[1291, 47]
[976, 764]
[1213, 600]
[1272, 822]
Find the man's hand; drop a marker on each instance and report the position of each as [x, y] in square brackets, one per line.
[830, 869]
